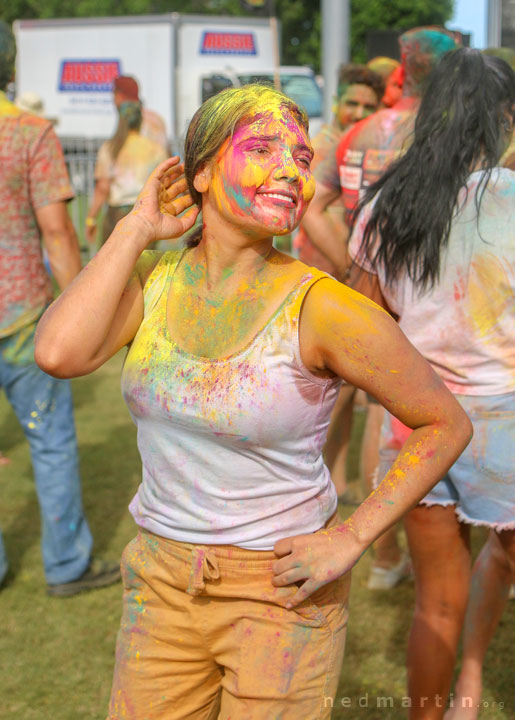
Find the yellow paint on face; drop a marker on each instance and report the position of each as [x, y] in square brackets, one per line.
[261, 177]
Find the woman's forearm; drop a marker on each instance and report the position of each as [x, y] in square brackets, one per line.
[75, 326]
[424, 458]
[329, 553]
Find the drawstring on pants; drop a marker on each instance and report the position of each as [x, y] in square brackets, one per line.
[204, 566]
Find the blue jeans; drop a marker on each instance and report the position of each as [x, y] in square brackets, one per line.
[44, 408]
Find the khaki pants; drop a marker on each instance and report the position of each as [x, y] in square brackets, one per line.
[204, 635]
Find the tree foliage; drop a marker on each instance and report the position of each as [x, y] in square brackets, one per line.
[300, 32]
[300, 20]
[394, 14]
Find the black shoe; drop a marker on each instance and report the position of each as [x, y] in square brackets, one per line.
[99, 573]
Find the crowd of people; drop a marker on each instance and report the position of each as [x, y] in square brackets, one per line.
[243, 363]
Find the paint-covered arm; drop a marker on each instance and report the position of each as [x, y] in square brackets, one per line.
[102, 309]
[328, 237]
[344, 333]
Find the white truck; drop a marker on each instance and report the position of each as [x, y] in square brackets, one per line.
[178, 61]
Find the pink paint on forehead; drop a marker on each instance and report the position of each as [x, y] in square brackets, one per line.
[269, 154]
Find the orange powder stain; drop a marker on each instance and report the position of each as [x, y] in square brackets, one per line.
[252, 176]
[398, 473]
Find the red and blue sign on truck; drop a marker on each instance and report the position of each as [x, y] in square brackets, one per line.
[88, 75]
[228, 43]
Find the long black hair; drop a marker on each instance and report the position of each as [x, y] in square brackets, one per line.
[463, 124]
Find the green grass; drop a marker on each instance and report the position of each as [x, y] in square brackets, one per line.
[56, 656]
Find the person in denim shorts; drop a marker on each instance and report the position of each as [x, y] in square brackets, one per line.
[435, 238]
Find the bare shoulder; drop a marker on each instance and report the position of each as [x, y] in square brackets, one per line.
[287, 267]
[330, 300]
[337, 324]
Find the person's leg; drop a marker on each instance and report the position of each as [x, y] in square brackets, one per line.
[164, 668]
[284, 663]
[492, 576]
[43, 406]
[439, 546]
[484, 477]
[338, 437]
[205, 634]
[277, 663]
[369, 458]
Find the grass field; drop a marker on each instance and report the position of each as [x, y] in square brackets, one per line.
[56, 656]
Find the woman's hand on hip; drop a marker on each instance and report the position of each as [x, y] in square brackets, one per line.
[162, 199]
[317, 559]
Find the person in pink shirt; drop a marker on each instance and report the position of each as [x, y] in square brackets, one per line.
[434, 242]
[363, 154]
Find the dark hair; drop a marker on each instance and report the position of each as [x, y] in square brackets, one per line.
[130, 116]
[7, 54]
[421, 48]
[461, 126]
[216, 120]
[359, 75]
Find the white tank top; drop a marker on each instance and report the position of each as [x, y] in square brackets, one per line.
[232, 447]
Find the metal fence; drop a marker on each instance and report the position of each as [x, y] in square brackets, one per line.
[80, 155]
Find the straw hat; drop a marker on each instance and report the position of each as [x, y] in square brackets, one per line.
[31, 102]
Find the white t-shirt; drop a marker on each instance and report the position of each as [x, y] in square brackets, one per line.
[465, 325]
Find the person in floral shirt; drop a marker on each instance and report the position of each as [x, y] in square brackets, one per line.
[34, 190]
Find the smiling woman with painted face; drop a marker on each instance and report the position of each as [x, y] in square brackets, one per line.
[236, 586]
